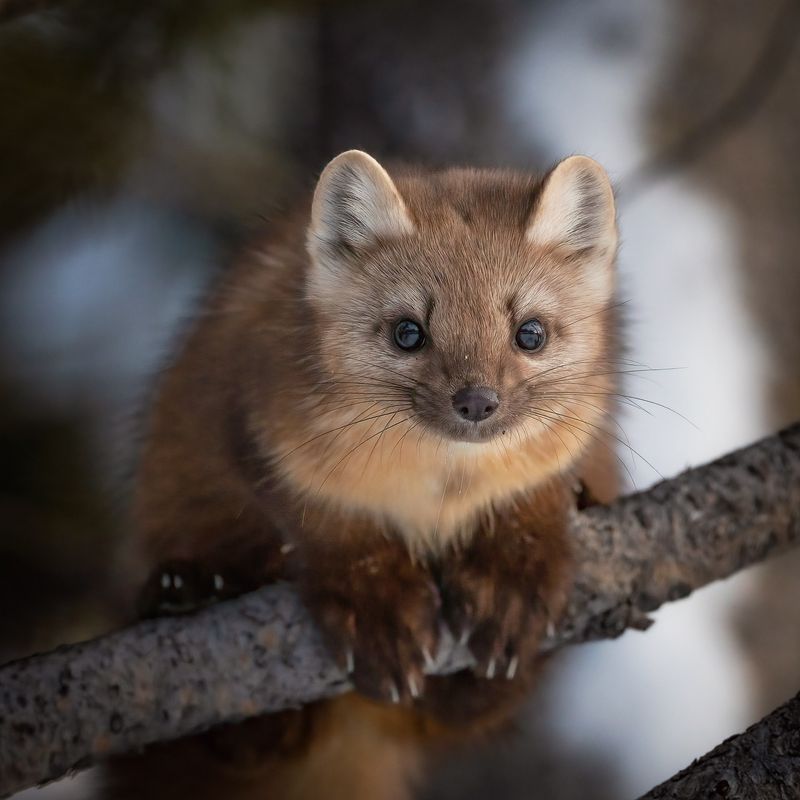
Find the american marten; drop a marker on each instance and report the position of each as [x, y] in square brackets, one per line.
[387, 400]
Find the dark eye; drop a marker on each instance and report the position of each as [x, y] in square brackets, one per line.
[531, 335]
[408, 335]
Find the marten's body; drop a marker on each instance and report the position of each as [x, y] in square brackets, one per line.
[388, 401]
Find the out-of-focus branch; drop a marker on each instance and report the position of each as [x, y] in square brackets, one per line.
[175, 676]
[763, 763]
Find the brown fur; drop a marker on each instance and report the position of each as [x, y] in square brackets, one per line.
[292, 439]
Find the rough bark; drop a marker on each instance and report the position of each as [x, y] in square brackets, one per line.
[174, 676]
[763, 763]
[659, 545]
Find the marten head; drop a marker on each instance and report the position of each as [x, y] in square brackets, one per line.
[473, 303]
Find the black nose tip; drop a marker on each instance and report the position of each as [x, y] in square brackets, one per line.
[475, 403]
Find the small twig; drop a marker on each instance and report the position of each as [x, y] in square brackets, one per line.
[170, 677]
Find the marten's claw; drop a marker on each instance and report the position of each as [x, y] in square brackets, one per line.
[499, 617]
[511, 670]
[381, 623]
[179, 587]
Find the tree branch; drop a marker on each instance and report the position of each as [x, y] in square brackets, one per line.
[170, 677]
[763, 763]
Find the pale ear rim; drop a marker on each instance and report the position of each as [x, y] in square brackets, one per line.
[338, 162]
[368, 200]
[575, 209]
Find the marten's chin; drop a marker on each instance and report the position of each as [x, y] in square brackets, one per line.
[470, 432]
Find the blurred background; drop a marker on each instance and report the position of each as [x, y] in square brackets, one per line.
[143, 142]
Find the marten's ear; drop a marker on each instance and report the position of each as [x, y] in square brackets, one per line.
[356, 205]
[575, 214]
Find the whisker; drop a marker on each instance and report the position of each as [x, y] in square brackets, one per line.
[557, 417]
[358, 418]
[364, 434]
[372, 365]
[603, 310]
[554, 430]
[444, 492]
[337, 428]
[555, 452]
[639, 372]
[594, 361]
[631, 398]
[600, 409]
[611, 418]
[573, 395]
[376, 443]
[352, 450]
[612, 435]
[399, 442]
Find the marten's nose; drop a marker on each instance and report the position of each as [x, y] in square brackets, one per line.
[474, 403]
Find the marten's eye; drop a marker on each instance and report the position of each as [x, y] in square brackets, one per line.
[531, 335]
[408, 335]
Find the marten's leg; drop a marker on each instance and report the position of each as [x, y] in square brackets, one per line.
[501, 591]
[378, 607]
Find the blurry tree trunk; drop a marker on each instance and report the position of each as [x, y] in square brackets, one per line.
[751, 169]
[419, 81]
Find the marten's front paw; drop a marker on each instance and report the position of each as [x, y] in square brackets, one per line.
[497, 612]
[380, 616]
